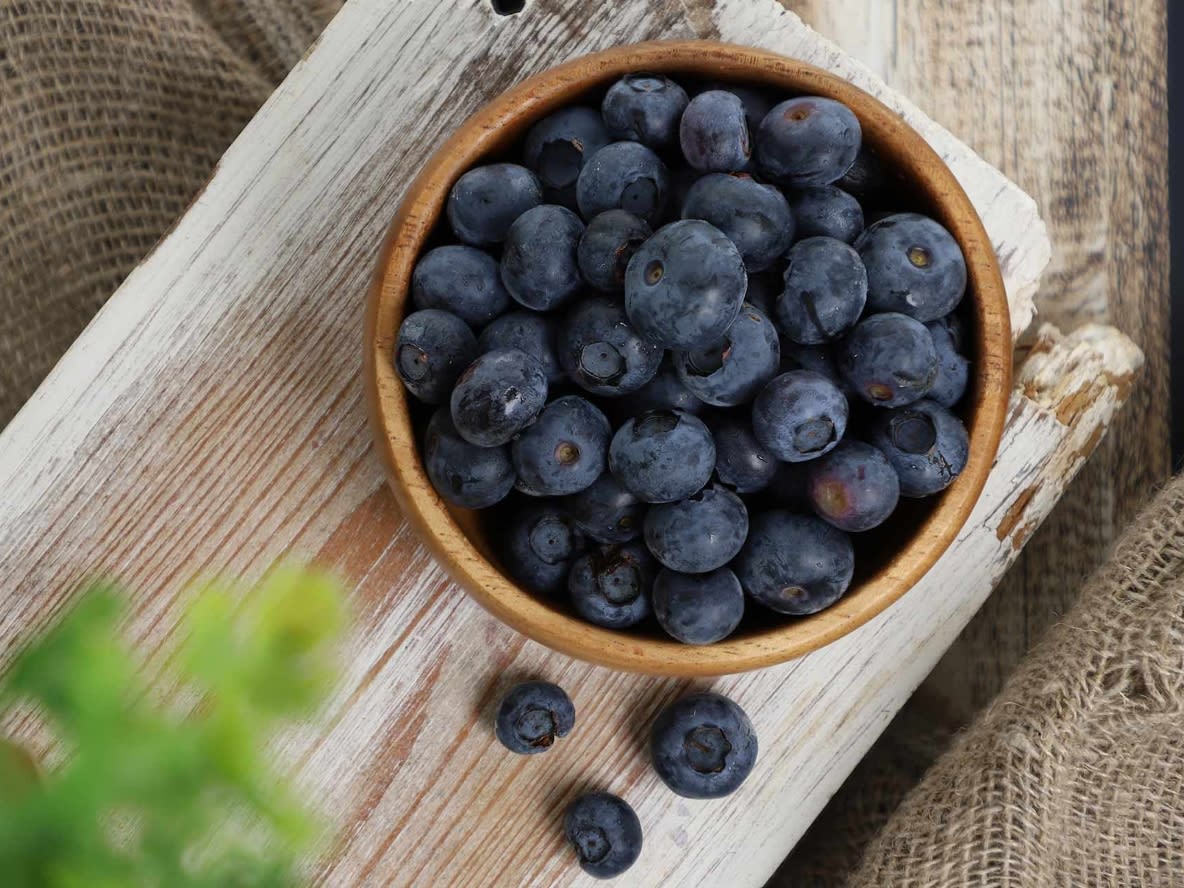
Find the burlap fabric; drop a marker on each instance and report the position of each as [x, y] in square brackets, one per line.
[112, 115]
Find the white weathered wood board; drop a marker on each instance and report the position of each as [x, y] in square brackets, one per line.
[211, 419]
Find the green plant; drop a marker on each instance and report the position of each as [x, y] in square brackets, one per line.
[150, 796]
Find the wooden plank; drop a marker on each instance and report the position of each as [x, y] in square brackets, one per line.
[211, 419]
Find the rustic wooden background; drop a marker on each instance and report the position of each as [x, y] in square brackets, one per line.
[1069, 99]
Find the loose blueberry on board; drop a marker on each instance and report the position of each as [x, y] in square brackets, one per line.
[914, 266]
[466, 475]
[754, 216]
[703, 746]
[741, 461]
[698, 534]
[645, 108]
[539, 265]
[538, 544]
[610, 585]
[889, 359]
[807, 141]
[662, 456]
[624, 176]
[826, 211]
[853, 487]
[953, 370]
[486, 200]
[498, 396]
[529, 332]
[606, 511]
[925, 443]
[825, 291]
[532, 715]
[605, 833]
[462, 280]
[732, 370]
[665, 391]
[685, 285]
[795, 564]
[564, 450]
[700, 608]
[800, 415]
[602, 352]
[609, 242]
[432, 350]
[558, 146]
[714, 132]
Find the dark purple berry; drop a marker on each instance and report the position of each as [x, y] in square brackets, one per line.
[486, 200]
[926, 445]
[714, 132]
[432, 350]
[800, 415]
[853, 487]
[795, 564]
[807, 141]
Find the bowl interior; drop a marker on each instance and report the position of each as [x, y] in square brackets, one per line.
[889, 560]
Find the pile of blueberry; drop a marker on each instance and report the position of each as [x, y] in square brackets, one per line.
[672, 356]
[702, 746]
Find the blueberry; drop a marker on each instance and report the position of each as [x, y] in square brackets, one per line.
[462, 280]
[714, 132]
[925, 443]
[564, 450]
[741, 461]
[539, 265]
[532, 715]
[703, 746]
[464, 474]
[431, 352]
[685, 285]
[698, 608]
[526, 331]
[763, 289]
[558, 146]
[867, 179]
[608, 244]
[644, 108]
[889, 359]
[610, 585]
[698, 534]
[826, 211]
[605, 833]
[800, 415]
[755, 217]
[487, 199]
[606, 511]
[538, 544]
[624, 176]
[664, 392]
[819, 358]
[602, 352]
[732, 370]
[853, 487]
[807, 141]
[914, 266]
[953, 370]
[499, 395]
[662, 456]
[825, 290]
[795, 564]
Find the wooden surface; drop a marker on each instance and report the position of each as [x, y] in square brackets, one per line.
[1069, 99]
[460, 545]
[211, 419]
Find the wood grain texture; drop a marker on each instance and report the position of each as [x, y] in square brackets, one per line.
[211, 419]
[1069, 100]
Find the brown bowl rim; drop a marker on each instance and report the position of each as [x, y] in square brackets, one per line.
[497, 125]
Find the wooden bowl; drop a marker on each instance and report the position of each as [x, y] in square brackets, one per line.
[456, 537]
